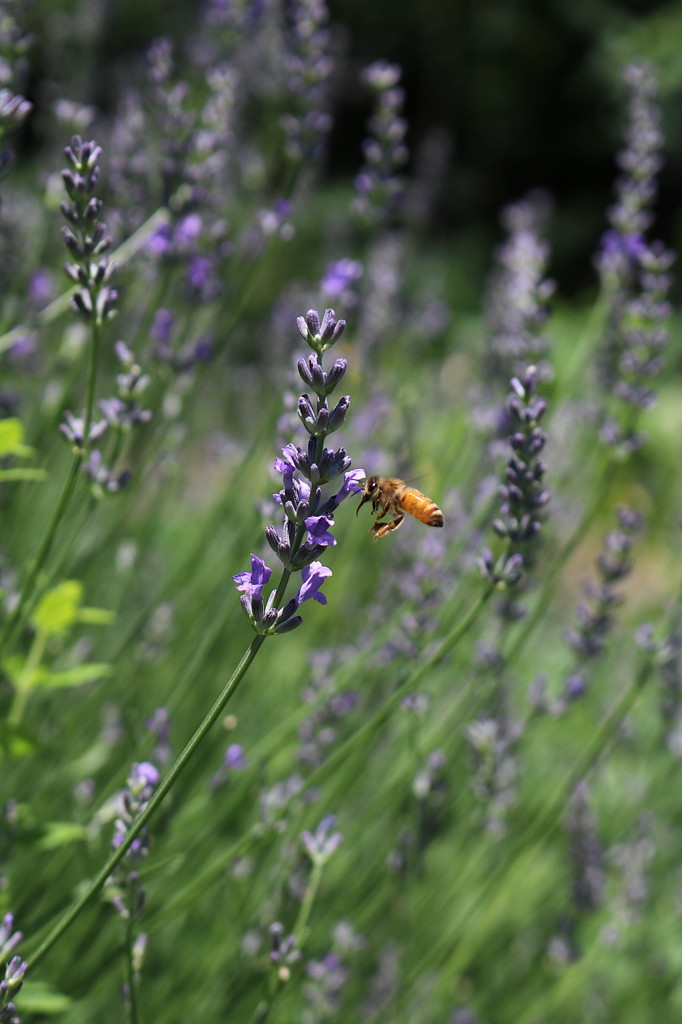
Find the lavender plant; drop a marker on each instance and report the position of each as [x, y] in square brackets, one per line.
[634, 272]
[15, 969]
[379, 187]
[124, 889]
[309, 514]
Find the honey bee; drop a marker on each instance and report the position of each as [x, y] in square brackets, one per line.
[394, 497]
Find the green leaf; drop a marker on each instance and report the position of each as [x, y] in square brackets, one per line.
[61, 833]
[11, 437]
[13, 666]
[96, 616]
[8, 475]
[14, 742]
[76, 676]
[57, 610]
[37, 997]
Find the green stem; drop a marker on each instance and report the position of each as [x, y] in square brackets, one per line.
[130, 971]
[42, 553]
[25, 680]
[164, 788]
[300, 929]
[92, 374]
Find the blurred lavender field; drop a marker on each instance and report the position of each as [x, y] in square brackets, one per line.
[256, 766]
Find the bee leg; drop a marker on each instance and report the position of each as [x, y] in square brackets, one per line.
[377, 524]
[381, 529]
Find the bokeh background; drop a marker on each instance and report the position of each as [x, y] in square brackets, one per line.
[502, 97]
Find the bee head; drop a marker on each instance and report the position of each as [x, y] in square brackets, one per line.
[370, 488]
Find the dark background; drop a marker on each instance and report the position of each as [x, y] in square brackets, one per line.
[503, 96]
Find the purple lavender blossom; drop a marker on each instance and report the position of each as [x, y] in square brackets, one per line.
[318, 530]
[327, 978]
[9, 987]
[322, 843]
[640, 162]
[634, 272]
[379, 187]
[340, 282]
[313, 577]
[519, 293]
[252, 583]
[494, 742]
[234, 758]
[14, 109]
[159, 725]
[308, 510]
[283, 948]
[124, 890]
[594, 615]
[104, 480]
[309, 66]
[86, 237]
[523, 493]
[73, 429]
[9, 938]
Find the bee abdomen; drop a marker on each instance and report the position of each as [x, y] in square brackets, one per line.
[421, 507]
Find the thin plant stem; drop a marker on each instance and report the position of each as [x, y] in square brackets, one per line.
[300, 929]
[159, 795]
[92, 378]
[130, 971]
[42, 553]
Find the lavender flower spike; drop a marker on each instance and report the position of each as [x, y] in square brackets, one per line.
[306, 531]
[320, 845]
[9, 938]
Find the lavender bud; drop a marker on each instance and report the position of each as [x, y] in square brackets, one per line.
[338, 414]
[289, 625]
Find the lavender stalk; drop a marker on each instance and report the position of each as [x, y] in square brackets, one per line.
[94, 300]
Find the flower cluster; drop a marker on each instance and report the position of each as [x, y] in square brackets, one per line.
[322, 843]
[122, 414]
[523, 493]
[380, 188]
[86, 237]
[640, 161]
[634, 271]
[494, 741]
[124, 890]
[641, 339]
[14, 970]
[308, 512]
[519, 292]
[308, 67]
[594, 616]
[13, 110]
[283, 949]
